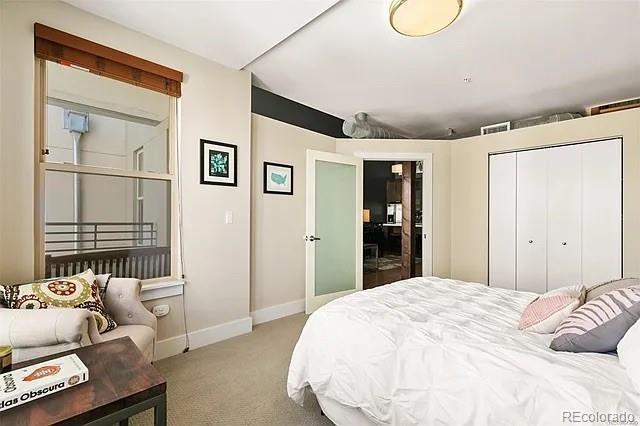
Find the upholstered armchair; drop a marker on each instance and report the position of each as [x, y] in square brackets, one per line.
[40, 332]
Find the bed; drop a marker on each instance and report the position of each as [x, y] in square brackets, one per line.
[429, 351]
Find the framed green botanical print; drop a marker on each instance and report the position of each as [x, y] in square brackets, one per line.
[218, 163]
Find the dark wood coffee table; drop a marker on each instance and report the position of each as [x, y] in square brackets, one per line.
[121, 383]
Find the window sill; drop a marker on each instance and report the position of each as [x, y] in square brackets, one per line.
[161, 289]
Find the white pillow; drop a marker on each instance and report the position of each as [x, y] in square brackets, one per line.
[544, 314]
[629, 353]
[578, 291]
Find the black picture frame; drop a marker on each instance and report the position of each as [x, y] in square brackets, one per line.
[205, 178]
[265, 169]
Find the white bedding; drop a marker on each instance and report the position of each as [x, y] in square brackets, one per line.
[430, 351]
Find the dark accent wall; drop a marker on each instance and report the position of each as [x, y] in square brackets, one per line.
[280, 108]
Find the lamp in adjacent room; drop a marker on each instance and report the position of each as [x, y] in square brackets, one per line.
[366, 215]
[416, 18]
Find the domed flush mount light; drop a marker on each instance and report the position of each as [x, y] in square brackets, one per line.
[416, 18]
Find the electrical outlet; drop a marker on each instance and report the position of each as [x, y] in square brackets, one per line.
[160, 310]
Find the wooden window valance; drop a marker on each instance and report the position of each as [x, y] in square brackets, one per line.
[58, 46]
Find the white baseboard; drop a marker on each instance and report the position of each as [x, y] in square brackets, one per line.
[199, 338]
[207, 336]
[278, 311]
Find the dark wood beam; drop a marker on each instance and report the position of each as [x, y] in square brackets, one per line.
[408, 219]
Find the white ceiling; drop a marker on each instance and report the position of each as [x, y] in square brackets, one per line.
[524, 57]
[230, 32]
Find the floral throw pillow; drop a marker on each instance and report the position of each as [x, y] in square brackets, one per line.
[79, 291]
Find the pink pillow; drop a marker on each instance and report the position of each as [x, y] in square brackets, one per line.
[545, 313]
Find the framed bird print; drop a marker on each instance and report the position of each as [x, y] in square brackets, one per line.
[278, 178]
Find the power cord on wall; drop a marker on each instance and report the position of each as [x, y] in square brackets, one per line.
[180, 223]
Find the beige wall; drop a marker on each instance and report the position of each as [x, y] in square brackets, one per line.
[469, 196]
[278, 221]
[441, 186]
[215, 105]
[2, 182]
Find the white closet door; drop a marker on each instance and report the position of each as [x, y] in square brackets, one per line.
[601, 211]
[563, 217]
[502, 221]
[532, 221]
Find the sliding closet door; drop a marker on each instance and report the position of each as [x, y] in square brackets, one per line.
[601, 211]
[563, 216]
[532, 221]
[502, 220]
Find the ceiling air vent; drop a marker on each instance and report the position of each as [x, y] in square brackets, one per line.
[615, 106]
[495, 128]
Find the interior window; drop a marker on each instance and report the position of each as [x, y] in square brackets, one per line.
[107, 180]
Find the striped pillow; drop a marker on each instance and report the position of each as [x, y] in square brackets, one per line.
[600, 324]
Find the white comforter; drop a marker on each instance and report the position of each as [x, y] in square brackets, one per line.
[430, 351]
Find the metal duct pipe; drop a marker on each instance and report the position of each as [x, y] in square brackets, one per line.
[360, 128]
[76, 177]
[78, 124]
[544, 119]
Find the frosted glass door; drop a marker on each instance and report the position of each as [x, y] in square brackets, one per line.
[334, 227]
[532, 221]
[336, 223]
[564, 217]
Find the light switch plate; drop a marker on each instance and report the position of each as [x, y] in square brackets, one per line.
[228, 217]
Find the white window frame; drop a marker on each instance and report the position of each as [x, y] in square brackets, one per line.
[138, 160]
[42, 166]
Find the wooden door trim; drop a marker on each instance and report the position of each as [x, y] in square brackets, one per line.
[408, 219]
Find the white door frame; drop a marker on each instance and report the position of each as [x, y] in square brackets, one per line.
[427, 197]
[313, 302]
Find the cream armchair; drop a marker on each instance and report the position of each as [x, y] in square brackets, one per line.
[35, 333]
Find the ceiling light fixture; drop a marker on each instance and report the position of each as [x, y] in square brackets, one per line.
[417, 18]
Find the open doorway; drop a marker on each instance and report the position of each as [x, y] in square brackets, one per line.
[393, 235]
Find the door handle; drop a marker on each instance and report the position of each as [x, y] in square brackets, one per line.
[530, 241]
[311, 238]
[564, 243]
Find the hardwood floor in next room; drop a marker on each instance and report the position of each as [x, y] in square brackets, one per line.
[379, 277]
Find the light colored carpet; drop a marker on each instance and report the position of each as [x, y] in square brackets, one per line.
[241, 381]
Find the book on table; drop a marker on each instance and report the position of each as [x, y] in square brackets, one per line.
[36, 381]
